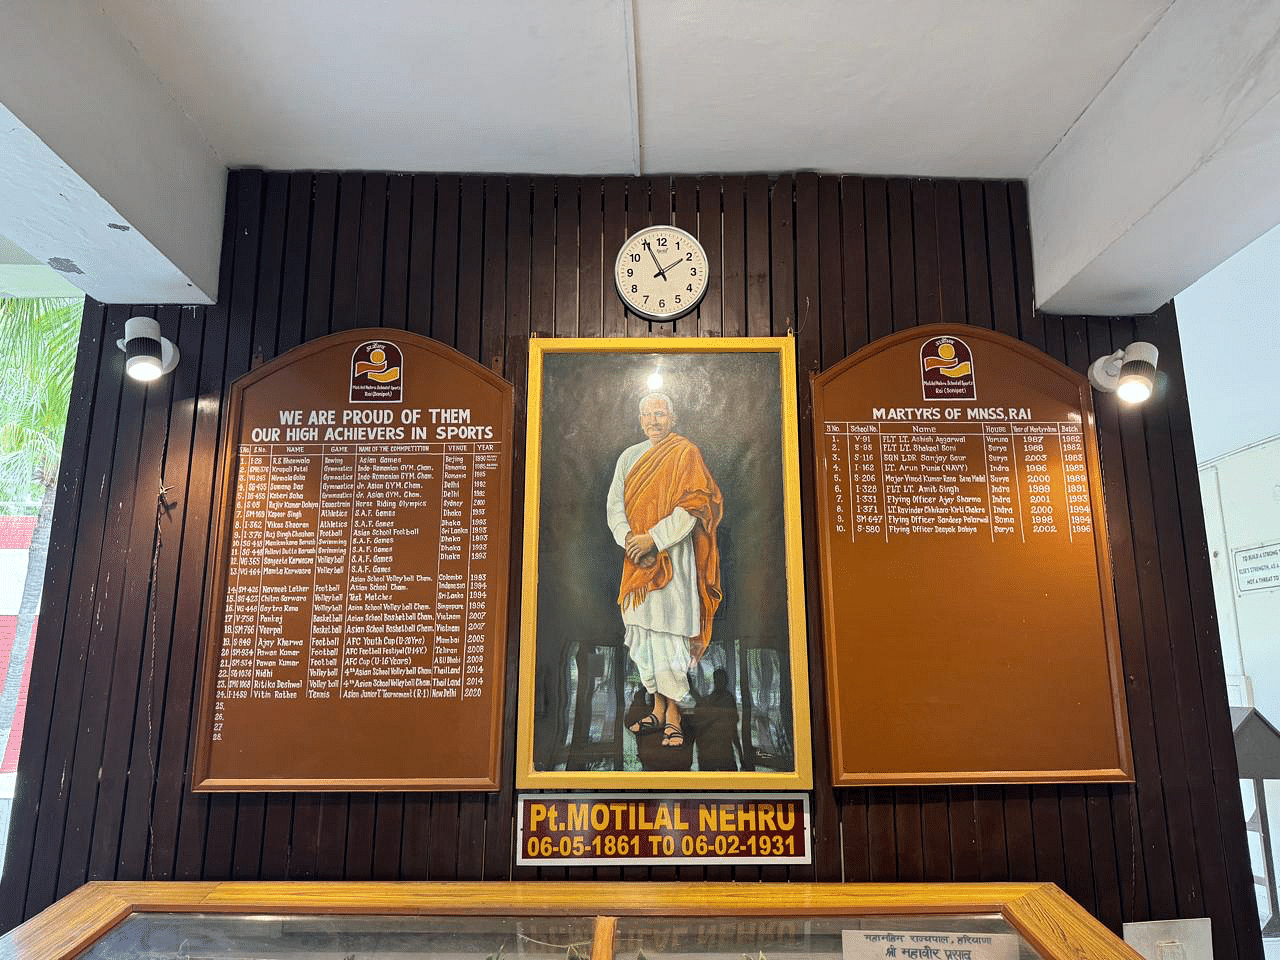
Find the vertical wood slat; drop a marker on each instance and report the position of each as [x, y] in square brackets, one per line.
[481, 263]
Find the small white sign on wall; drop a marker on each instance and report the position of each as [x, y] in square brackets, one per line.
[924, 945]
[1257, 568]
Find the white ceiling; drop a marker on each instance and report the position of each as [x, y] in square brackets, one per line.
[973, 88]
[1147, 131]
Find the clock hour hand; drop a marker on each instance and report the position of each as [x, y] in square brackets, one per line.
[661, 273]
[672, 266]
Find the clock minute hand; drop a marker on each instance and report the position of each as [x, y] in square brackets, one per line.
[661, 273]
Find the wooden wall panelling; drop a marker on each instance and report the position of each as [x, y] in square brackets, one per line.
[808, 344]
[232, 813]
[131, 629]
[733, 252]
[757, 256]
[178, 824]
[711, 232]
[1083, 854]
[595, 266]
[481, 810]
[251, 838]
[1004, 294]
[471, 266]
[614, 227]
[568, 248]
[46, 654]
[820, 276]
[853, 232]
[1203, 613]
[1142, 491]
[542, 321]
[519, 267]
[395, 257]
[481, 262]
[1150, 861]
[141, 811]
[99, 630]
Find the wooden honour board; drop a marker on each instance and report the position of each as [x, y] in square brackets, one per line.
[968, 612]
[356, 621]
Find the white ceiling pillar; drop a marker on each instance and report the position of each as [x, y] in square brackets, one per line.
[102, 175]
[1172, 167]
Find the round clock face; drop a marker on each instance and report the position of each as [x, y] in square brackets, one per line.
[661, 272]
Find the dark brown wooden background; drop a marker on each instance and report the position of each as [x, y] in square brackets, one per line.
[483, 263]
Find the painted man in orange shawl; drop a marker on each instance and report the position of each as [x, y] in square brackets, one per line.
[664, 507]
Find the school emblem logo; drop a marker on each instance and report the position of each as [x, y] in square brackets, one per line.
[377, 369]
[946, 370]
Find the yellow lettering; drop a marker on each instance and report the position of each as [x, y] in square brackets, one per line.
[765, 811]
[618, 810]
[786, 816]
[644, 820]
[706, 817]
[537, 813]
[577, 816]
[746, 817]
[662, 820]
[728, 823]
[599, 816]
[681, 822]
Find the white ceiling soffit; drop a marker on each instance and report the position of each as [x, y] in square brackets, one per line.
[922, 87]
[982, 88]
[398, 85]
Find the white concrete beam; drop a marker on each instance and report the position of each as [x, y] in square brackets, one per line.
[102, 175]
[1170, 170]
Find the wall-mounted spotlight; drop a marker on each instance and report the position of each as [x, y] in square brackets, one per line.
[148, 355]
[1129, 373]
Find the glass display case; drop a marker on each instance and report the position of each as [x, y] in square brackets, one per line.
[565, 921]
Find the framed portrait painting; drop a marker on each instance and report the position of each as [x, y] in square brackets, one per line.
[662, 633]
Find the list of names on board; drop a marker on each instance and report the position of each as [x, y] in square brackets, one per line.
[359, 606]
[326, 593]
[967, 608]
[910, 476]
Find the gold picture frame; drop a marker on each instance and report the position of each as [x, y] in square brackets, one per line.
[730, 456]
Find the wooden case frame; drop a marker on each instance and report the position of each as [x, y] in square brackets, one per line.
[1050, 921]
[801, 777]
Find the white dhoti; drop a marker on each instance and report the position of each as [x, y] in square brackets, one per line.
[658, 628]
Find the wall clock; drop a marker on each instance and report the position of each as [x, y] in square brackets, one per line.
[661, 272]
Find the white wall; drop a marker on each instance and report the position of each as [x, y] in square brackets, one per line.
[1241, 493]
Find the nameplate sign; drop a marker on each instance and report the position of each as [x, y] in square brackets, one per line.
[593, 828]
